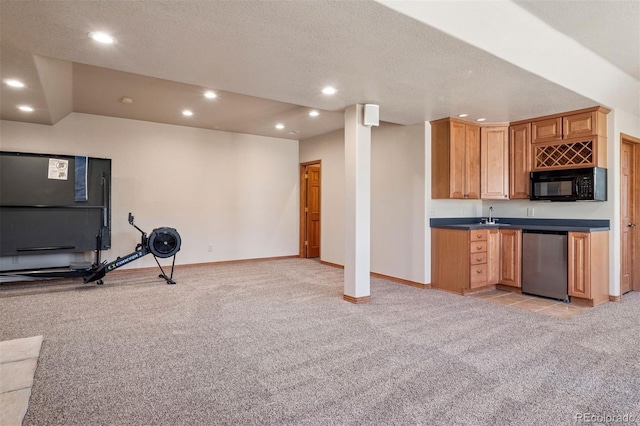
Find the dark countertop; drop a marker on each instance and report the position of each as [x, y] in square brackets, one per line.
[557, 225]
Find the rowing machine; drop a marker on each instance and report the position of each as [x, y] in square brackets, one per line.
[162, 243]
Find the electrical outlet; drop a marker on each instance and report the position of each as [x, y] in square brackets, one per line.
[15, 260]
[530, 211]
[209, 248]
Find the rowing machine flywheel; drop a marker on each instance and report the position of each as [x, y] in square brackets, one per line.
[164, 242]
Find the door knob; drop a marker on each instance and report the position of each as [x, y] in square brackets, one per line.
[631, 225]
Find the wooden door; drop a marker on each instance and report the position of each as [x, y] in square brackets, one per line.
[511, 257]
[494, 164]
[629, 208]
[520, 164]
[310, 185]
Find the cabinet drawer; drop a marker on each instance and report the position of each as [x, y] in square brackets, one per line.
[478, 258]
[478, 247]
[478, 235]
[478, 276]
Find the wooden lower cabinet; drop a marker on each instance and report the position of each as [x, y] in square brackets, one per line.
[511, 257]
[493, 258]
[464, 261]
[588, 272]
[458, 259]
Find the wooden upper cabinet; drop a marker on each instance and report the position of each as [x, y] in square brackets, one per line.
[455, 159]
[494, 162]
[579, 125]
[571, 125]
[573, 139]
[547, 130]
[472, 161]
[519, 160]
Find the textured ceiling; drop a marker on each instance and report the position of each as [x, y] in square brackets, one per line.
[609, 28]
[268, 60]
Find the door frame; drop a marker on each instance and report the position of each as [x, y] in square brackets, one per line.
[303, 198]
[635, 243]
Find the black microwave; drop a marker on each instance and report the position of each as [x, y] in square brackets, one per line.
[587, 184]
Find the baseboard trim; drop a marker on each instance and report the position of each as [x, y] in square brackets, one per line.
[335, 265]
[215, 263]
[401, 281]
[351, 299]
[615, 298]
[384, 277]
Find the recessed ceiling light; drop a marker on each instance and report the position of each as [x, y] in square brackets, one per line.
[187, 113]
[314, 113]
[210, 94]
[126, 100]
[25, 108]
[481, 119]
[463, 115]
[294, 132]
[279, 126]
[102, 37]
[329, 90]
[14, 83]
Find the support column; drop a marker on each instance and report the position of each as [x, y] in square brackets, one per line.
[357, 253]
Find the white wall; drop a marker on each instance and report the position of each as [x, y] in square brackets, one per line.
[397, 198]
[234, 192]
[398, 220]
[329, 148]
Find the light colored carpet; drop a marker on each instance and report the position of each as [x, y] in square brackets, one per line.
[18, 361]
[273, 343]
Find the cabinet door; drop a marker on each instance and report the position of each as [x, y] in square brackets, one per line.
[511, 257]
[472, 161]
[520, 161]
[579, 125]
[548, 130]
[493, 257]
[494, 163]
[579, 255]
[458, 152]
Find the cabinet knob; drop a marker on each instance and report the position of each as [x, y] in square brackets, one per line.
[631, 225]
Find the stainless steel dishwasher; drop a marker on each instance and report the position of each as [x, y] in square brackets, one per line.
[544, 264]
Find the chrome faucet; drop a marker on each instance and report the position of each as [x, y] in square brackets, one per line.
[490, 221]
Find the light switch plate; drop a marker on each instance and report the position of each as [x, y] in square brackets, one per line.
[530, 211]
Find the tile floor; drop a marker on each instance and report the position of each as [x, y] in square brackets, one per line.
[540, 305]
[18, 360]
